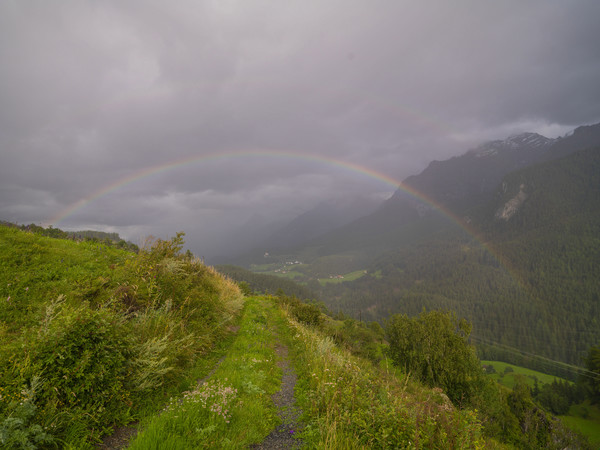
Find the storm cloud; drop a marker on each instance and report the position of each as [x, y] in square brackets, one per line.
[93, 93]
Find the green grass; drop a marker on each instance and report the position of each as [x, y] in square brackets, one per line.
[508, 379]
[350, 403]
[233, 409]
[93, 337]
[36, 269]
[585, 419]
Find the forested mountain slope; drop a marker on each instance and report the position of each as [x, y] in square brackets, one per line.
[533, 286]
[462, 186]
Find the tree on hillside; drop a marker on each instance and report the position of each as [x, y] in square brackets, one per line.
[434, 348]
[592, 364]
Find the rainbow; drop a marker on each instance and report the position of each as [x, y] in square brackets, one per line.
[293, 155]
[159, 168]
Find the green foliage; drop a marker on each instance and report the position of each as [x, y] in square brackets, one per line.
[434, 348]
[110, 332]
[592, 363]
[307, 313]
[532, 289]
[18, 430]
[233, 408]
[83, 358]
[245, 288]
[555, 397]
[349, 403]
[359, 338]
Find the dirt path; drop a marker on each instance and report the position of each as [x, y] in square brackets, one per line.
[283, 436]
[120, 438]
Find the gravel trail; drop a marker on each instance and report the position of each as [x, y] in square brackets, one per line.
[283, 436]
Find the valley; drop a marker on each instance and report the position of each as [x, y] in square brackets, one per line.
[505, 235]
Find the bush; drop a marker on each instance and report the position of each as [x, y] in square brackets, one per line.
[308, 314]
[434, 348]
[83, 358]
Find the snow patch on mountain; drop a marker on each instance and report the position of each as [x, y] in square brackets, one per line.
[529, 141]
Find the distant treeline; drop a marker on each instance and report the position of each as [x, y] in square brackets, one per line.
[111, 239]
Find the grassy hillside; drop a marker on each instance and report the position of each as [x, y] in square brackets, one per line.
[581, 416]
[92, 336]
[506, 374]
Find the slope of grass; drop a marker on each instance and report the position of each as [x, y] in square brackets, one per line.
[505, 374]
[350, 403]
[585, 418]
[92, 336]
[233, 408]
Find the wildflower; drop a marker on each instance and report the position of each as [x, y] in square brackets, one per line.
[27, 288]
[8, 299]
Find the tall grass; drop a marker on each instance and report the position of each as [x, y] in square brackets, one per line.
[349, 403]
[107, 334]
[233, 409]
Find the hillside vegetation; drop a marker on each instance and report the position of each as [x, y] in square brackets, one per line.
[92, 336]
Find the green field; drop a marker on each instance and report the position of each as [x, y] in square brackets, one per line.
[507, 378]
[278, 269]
[585, 418]
[342, 278]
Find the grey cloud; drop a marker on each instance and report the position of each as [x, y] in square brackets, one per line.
[94, 92]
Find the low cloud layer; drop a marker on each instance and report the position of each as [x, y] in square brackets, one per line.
[94, 93]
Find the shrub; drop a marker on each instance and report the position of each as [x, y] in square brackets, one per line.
[434, 348]
[308, 314]
[83, 359]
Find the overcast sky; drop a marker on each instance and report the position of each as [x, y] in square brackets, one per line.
[93, 93]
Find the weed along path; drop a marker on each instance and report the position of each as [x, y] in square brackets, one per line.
[121, 436]
[246, 403]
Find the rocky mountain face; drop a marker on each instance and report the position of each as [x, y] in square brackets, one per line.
[464, 181]
[467, 181]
